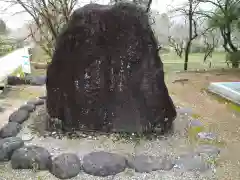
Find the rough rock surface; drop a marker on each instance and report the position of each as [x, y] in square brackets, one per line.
[11, 129]
[31, 157]
[103, 163]
[8, 146]
[20, 115]
[28, 107]
[119, 82]
[66, 166]
[143, 163]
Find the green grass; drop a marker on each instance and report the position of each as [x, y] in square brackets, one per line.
[172, 62]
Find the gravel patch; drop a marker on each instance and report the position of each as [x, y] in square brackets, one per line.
[108, 156]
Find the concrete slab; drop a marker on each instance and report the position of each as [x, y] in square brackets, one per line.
[227, 90]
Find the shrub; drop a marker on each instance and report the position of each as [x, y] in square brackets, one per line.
[233, 58]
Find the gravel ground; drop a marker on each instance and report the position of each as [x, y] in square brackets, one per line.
[172, 146]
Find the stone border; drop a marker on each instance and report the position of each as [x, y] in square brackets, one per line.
[68, 165]
[27, 80]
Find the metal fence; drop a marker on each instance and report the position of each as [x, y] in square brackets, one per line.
[171, 66]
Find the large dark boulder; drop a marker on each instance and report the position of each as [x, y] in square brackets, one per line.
[106, 70]
[31, 157]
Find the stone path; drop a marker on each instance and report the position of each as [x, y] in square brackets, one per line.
[6, 108]
[163, 158]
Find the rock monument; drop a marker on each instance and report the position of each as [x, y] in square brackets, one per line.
[106, 73]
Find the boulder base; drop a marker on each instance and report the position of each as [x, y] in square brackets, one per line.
[106, 72]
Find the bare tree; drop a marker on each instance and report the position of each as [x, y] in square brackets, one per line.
[49, 17]
[190, 10]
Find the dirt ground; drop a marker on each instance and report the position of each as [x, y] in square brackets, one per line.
[217, 116]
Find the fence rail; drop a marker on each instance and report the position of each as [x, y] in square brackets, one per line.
[172, 66]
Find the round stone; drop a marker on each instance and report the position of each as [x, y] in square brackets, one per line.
[103, 163]
[31, 157]
[191, 162]
[148, 164]
[208, 150]
[8, 146]
[66, 166]
[28, 107]
[11, 129]
[19, 116]
[36, 102]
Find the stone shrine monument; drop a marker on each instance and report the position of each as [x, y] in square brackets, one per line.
[106, 73]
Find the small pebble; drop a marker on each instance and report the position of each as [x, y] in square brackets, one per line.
[27, 137]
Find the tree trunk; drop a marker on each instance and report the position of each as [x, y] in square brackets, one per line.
[187, 49]
[235, 64]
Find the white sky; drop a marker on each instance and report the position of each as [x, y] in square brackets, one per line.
[17, 21]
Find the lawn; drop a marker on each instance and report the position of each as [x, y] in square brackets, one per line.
[172, 62]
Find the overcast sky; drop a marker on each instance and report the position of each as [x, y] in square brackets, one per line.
[17, 21]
